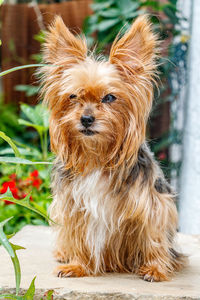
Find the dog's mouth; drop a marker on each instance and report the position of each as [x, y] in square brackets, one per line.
[88, 132]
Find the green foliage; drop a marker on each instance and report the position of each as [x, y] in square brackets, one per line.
[8, 121]
[25, 184]
[10, 142]
[109, 17]
[30, 90]
[24, 203]
[11, 249]
[18, 158]
[38, 118]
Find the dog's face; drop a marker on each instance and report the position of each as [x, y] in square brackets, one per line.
[98, 108]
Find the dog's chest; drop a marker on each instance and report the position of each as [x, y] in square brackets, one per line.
[92, 197]
[88, 193]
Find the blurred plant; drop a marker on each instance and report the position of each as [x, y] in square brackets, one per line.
[38, 118]
[8, 120]
[9, 196]
[108, 18]
[15, 191]
[29, 90]
[11, 249]
[20, 184]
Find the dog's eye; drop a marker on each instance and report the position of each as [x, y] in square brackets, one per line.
[108, 98]
[72, 96]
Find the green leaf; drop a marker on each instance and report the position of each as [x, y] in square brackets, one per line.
[37, 57]
[30, 90]
[17, 247]
[171, 13]
[110, 13]
[107, 24]
[173, 2]
[1, 1]
[134, 14]
[23, 161]
[31, 291]
[11, 249]
[155, 5]
[102, 5]
[90, 25]
[31, 114]
[16, 264]
[40, 37]
[10, 142]
[38, 115]
[126, 6]
[43, 112]
[4, 240]
[28, 151]
[25, 203]
[9, 236]
[39, 128]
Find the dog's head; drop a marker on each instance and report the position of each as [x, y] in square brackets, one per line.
[99, 108]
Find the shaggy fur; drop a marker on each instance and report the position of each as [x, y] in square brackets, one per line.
[114, 208]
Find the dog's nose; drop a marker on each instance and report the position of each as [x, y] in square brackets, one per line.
[87, 121]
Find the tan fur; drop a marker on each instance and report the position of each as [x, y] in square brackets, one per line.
[115, 210]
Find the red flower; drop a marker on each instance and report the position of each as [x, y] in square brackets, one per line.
[37, 182]
[12, 186]
[5, 185]
[35, 173]
[20, 188]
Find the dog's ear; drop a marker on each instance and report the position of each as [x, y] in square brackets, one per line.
[135, 52]
[61, 44]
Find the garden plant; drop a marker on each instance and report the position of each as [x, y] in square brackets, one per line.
[21, 192]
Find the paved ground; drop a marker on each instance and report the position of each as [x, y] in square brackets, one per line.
[37, 260]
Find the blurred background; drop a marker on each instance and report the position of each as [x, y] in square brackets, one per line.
[174, 125]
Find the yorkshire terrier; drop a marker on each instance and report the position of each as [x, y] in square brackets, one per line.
[113, 208]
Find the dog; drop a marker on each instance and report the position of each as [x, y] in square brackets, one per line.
[113, 208]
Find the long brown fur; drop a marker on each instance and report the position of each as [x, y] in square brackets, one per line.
[115, 209]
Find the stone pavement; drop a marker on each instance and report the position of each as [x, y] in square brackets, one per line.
[37, 261]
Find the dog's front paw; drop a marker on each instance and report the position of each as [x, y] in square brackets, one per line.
[152, 273]
[70, 270]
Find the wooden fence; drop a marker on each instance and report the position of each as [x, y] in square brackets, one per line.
[20, 22]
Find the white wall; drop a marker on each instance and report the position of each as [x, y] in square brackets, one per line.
[189, 206]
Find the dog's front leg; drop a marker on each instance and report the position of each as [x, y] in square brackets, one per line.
[155, 240]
